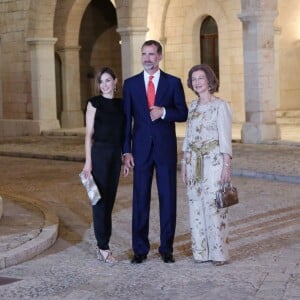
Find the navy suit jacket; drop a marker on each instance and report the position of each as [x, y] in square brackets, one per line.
[143, 135]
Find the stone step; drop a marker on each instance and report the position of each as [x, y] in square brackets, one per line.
[288, 121]
[288, 113]
[28, 227]
[290, 132]
[290, 117]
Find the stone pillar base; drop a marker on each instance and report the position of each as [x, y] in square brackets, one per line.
[72, 119]
[26, 127]
[253, 133]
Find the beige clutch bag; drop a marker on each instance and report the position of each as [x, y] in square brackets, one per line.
[91, 188]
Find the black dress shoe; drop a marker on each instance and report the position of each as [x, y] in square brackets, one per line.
[167, 257]
[138, 259]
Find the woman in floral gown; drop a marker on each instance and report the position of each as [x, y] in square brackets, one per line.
[206, 163]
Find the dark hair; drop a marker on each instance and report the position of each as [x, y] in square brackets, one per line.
[213, 83]
[99, 75]
[155, 43]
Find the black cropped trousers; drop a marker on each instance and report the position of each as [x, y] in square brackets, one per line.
[106, 167]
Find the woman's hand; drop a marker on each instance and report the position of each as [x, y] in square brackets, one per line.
[87, 170]
[226, 174]
[226, 170]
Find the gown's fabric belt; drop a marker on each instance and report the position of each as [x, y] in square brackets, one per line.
[200, 151]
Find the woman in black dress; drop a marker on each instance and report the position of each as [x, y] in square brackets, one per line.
[103, 142]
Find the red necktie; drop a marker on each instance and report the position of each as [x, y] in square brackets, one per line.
[151, 92]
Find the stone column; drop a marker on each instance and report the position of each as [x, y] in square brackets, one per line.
[1, 91]
[43, 82]
[132, 39]
[277, 33]
[1, 207]
[163, 42]
[72, 115]
[259, 67]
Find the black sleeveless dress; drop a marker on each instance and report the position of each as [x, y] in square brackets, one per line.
[106, 162]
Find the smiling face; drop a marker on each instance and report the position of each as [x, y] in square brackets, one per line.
[199, 82]
[107, 85]
[150, 58]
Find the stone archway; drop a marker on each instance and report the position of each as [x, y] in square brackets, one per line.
[67, 22]
[100, 45]
[77, 38]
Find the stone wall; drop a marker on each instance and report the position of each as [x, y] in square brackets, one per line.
[31, 31]
[182, 33]
[15, 66]
[289, 54]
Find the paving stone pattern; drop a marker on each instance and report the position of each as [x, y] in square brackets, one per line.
[264, 230]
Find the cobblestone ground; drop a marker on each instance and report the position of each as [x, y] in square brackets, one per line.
[264, 237]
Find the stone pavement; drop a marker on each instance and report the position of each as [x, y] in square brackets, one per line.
[39, 185]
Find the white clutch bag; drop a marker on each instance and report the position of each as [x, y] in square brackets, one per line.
[91, 188]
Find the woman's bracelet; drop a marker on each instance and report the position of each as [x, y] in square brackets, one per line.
[226, 165]
[183, 161]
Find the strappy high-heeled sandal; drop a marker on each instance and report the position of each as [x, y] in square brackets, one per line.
[106, 256]
[99, 256]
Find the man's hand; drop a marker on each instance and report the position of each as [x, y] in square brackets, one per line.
[125, 171]
[156, 112]
[128, 160]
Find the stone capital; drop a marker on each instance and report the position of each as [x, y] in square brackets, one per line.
[41, 41]
[258, 16]
[124, 31]
[75, 48]
[258, 10]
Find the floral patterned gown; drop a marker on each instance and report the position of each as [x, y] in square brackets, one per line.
[208, 135]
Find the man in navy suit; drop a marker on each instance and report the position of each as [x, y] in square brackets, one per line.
[150, 143]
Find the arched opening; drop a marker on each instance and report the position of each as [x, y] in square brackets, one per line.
[209, 44]
[99, 44]
[58, 83]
